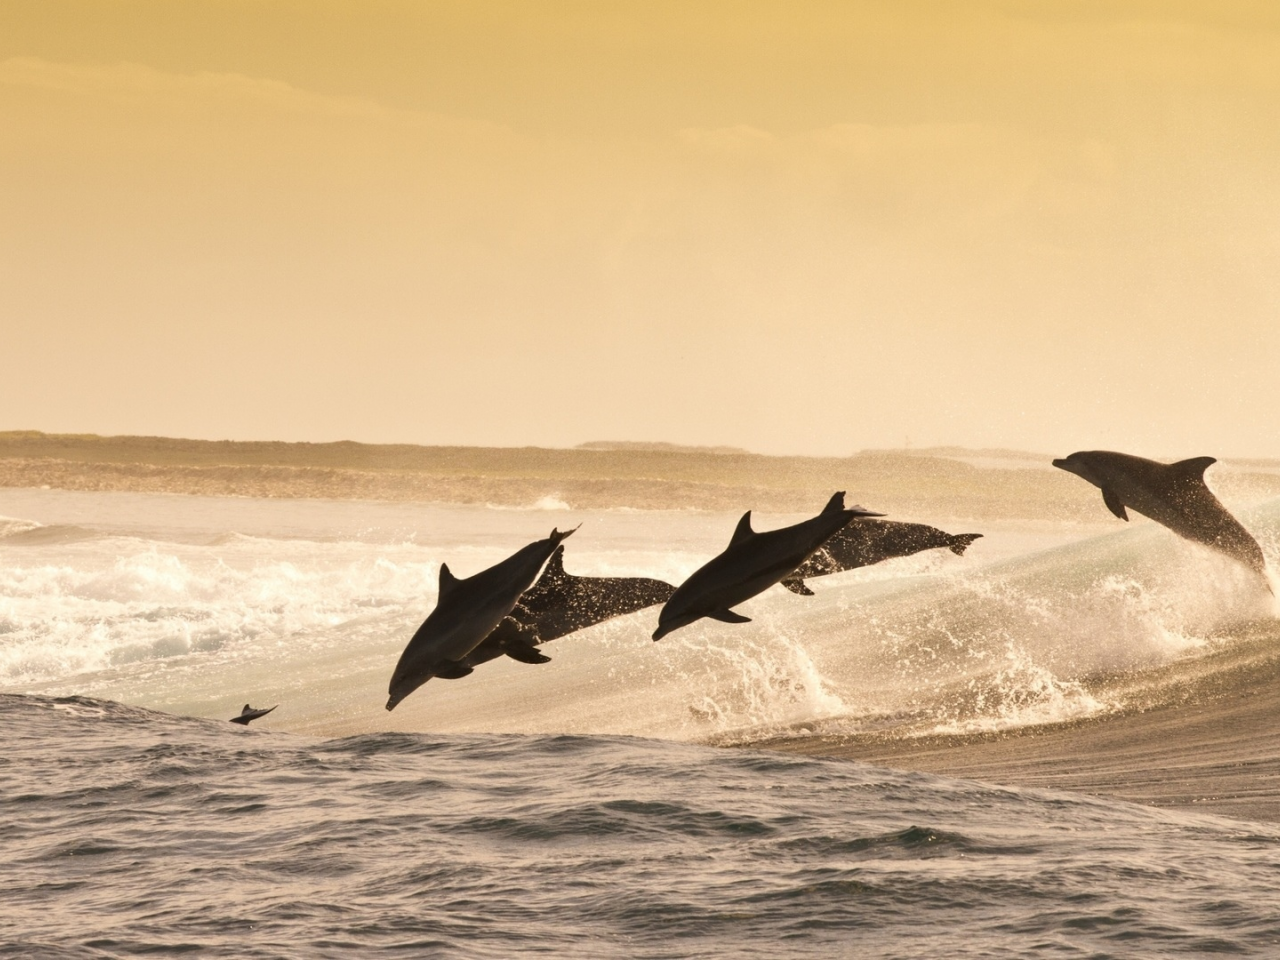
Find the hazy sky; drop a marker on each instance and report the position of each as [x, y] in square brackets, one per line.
[794, 227]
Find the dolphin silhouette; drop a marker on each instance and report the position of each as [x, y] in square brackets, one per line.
[1173, 495]
[865, 541]
[560, 604]
[751, 564]
[248, 714]
[466, 612]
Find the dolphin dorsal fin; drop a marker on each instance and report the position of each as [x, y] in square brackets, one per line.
[1193, 468]
[743, 531]
[247, 709]
[835, 504]
[447, 581]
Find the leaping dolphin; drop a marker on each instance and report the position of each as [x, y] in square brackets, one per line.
[751, 564]
[561, 603]
[466, 612]
[248, 713]
[1173, 495]
[866, 541]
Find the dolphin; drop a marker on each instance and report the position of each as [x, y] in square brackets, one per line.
[1173, 495]
[751, 564]
[466, 612]
[865, 541]
[561, 603]
[248, 713]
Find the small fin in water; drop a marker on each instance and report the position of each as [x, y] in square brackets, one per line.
[1113, 503]
[728, 616]
[796, 585]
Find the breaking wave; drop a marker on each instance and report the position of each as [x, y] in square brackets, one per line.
[312, 607]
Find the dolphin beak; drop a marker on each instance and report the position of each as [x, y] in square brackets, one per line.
[392, 701]
[660, 632]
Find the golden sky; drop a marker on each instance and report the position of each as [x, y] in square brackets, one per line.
[794, 227]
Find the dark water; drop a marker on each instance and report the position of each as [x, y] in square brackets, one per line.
[128, 832]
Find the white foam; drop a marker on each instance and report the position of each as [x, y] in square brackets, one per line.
[311, 603]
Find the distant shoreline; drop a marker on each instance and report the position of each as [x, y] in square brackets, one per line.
[946, 483]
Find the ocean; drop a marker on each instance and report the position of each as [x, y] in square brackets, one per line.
[619, 800]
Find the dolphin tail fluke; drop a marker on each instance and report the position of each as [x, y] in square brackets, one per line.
[961, 542]
[796, 585]
[728, 616]
[860, 511]
[558, 535]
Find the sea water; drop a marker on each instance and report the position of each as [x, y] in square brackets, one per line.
[574, 808]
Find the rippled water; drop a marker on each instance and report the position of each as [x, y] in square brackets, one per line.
[567, 808]
[129, 833]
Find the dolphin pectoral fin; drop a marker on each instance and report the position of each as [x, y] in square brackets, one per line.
[524, 652]
[449, 670]
[796, 585]
[1113, 503]
[728, 616]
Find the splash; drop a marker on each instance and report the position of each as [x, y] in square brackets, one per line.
[311, 603]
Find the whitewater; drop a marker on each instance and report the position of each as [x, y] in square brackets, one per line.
[588, 806]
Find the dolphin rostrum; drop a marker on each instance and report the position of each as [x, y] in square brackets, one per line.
[865, 541]
[466, 612]
[1172, 494]
[751, 564]
[248, 713]
[561, 603]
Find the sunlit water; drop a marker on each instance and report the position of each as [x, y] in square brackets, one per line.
[515, 810]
